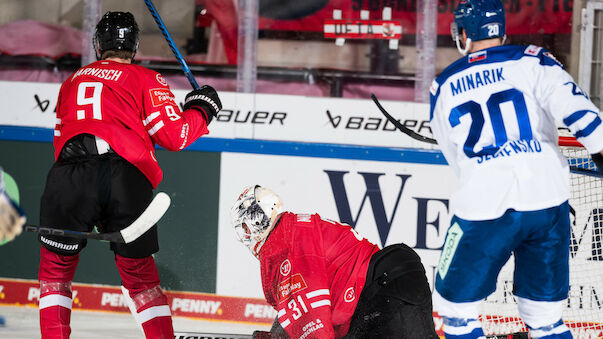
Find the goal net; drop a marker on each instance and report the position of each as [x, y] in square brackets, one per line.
[583, 311]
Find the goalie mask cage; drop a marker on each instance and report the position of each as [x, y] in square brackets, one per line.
[583, 310]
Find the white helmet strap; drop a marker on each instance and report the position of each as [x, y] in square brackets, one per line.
[463, 51]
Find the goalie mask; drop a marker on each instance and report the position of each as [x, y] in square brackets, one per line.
[116, 31]
[253, 216]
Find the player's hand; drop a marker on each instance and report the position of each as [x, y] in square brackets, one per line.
[205, 100]
[11, 219]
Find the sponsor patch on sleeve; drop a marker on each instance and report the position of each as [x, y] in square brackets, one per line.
[160, 96]
[533, 50]
[291, 285]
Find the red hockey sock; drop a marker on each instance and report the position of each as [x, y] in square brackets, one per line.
[55, 274]
[139, 276]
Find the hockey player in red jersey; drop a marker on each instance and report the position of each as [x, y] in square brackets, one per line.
[110, 116]
[326, 281]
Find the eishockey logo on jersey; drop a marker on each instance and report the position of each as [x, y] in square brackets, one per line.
[455, 233]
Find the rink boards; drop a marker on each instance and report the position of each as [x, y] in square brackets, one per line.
[321, 155]
[336, 157]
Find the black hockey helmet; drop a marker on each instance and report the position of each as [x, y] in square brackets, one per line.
[116, 31]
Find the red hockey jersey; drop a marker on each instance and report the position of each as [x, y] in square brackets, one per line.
[131, 108]
[313, 271]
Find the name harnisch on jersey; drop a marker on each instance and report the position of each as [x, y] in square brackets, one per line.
[494, 114]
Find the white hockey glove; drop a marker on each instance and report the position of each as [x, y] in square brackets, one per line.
[12, 219]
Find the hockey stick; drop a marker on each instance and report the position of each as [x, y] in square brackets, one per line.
[170, 42]
[401, 127]
[417, 136]
[145, 221]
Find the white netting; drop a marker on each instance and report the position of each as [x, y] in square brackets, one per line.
[583, 311]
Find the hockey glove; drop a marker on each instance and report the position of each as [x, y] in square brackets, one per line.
[598, 160]
[12, 219]
[205, 100]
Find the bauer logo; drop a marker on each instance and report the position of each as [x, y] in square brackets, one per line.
[252, 117]
[369, 123]
[286, 267]
[455, 233]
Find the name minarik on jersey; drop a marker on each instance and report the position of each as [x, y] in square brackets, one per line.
[475, 80]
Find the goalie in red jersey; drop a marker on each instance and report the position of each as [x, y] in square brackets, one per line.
[326, 281]
[110, 116]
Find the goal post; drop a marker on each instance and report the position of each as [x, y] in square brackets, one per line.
[583, 310]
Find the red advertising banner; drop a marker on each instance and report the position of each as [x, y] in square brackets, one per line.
[523, 16]
[19, 292]
[110, 299]
[88, 297]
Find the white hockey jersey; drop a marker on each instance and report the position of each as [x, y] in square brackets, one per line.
[494, 114]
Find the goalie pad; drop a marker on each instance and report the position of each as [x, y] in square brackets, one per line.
[12, 218]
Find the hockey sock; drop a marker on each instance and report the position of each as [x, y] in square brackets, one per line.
[55, 275]
[557, 330]
[141, 279]
[460, 319]
[543, 318]
[463, 328]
